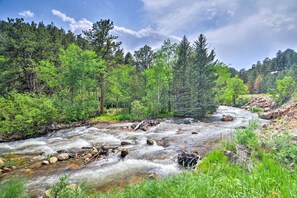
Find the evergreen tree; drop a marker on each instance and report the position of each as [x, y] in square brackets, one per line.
[105, 45]
[202, 79]
[181, 81]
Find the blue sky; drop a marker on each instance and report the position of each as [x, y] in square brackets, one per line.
[241, 31]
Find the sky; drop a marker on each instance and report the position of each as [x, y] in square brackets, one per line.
[241, 31]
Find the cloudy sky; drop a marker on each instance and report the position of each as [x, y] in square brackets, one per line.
[241, 31]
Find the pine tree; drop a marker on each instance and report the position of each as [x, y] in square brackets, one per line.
[181, 83]
[202, 81]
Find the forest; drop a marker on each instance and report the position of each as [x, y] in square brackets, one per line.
[49, 75]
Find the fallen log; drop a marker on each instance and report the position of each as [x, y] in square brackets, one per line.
[138, 126]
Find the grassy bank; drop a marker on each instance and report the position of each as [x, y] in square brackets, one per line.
[268, 171]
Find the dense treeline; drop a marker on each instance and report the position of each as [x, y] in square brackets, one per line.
[262, 77]
[49, 75]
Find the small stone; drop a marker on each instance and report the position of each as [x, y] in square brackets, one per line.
[53, 160]
[1, 162]
[6, 169]
[150, 141]
[13, 167]
[47, 193]
[194, 132]
[1, 170]
[87, 159]
[88, 155]
[264, 126]
[124, 152]
[45, 162]
[72, 186]
[63, 156]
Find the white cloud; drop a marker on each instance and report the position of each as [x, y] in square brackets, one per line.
[241, 32]
[132, 40]
[26, 14]
[75, 26]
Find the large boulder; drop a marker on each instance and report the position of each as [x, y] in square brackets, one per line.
[266, 115]
[63, 156]
[188, 159]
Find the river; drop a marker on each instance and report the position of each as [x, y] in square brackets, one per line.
[177, 135]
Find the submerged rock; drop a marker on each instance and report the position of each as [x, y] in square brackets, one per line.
[227, 118]
[123, 143]
[188, 159]
[150, 142]
[124, 153]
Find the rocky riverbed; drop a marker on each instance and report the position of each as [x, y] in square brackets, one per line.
[150, 154]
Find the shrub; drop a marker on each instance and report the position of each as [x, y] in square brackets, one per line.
[24, 113]
[248, 136]
[284, 149]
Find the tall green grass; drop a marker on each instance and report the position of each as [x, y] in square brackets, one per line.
[13, 188]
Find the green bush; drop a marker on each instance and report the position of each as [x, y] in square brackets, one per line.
[284, 150]
[25, 113]
[248, 136]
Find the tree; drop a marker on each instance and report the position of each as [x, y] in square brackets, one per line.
[257, 85]
[181, 81]
[284, 89]
[234, 88]
[143, 58]
[202, 79]
[157, 78]
[105, 45]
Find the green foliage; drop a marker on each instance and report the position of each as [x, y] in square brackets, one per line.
[284, 149]
[139, 110]
[256, 109]
[247, 136]
[24, 113]
[13, 188]
[193, 80]
[286, 87]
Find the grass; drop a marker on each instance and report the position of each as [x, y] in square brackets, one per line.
[13, 188]
[13, 160]
[256, 109]
[126, 116]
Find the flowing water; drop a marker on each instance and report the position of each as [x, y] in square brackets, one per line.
[176, 136]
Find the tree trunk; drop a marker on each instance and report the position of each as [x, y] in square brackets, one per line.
[102, 95]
